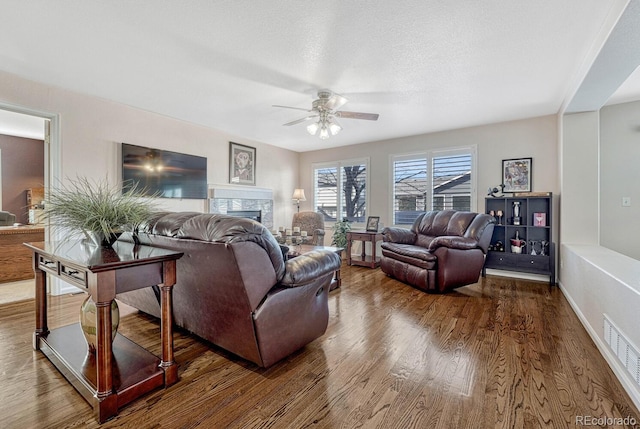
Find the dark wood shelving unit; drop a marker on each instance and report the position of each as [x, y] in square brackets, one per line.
[531, 229]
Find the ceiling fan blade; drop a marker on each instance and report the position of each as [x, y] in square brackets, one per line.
[295, 108]
[298, 121]
[336, 101]
[357, 115]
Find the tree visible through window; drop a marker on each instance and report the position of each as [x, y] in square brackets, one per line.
[349, 180]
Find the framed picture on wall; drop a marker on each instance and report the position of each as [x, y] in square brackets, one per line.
[516, 175]
[242, 164]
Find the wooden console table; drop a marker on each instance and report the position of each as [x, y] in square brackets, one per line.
[364, 260]
[119, 373]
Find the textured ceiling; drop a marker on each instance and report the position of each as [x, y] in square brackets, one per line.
[423, 65]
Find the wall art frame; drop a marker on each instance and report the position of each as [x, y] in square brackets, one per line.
[516, 174]
[242, 164]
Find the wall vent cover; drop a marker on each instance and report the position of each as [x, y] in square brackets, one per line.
[626, 352]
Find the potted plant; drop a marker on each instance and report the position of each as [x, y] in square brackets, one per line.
[340, 230]
[102, 212]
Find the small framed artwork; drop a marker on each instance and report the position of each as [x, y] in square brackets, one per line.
[242, 164]
[372, 223]
[539, 219]
[516, 175]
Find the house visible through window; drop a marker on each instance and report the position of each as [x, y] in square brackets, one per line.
[340, 190]
[436, 180]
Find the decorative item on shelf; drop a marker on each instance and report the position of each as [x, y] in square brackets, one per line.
[298, 195]
[517, 245]
[499, 213]
[340, 230]
[89, 322]
[516, 213]
[539, 219]
[536, 247]
[545, 248]
[494, 191]
[100, 211]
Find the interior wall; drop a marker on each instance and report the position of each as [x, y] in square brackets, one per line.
[22, 168]
[93, 128]
[619, 177]
[535, 137]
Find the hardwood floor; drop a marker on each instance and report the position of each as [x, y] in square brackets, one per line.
[501, 353]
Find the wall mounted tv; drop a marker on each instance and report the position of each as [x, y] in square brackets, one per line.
[164, 173]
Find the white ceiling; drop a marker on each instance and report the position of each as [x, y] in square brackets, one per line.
[423, 65]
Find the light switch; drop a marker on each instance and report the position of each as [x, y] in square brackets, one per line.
[626, 201]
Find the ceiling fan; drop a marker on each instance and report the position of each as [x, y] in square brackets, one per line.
[324, 112]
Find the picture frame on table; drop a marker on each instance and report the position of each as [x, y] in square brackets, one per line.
[242, 164]
[516, 174]
[373, 223]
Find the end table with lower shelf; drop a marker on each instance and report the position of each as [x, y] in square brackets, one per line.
[371, 261]
[120, 372]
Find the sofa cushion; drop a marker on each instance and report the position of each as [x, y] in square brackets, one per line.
[414, 255]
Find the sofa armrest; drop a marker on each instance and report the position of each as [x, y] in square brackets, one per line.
[399, 235]
[453, 242]
[309, 266]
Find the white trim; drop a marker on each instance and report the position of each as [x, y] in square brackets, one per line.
[52, 172]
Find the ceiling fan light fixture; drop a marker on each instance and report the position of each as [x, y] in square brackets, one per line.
[313, 128]
[334, 127]
[324, 132]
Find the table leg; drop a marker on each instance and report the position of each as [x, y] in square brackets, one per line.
[363, 253]
[41, 305]
[166, 323]
[349, 242]
[373, 252]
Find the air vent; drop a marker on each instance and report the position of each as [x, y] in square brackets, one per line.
[626, 352]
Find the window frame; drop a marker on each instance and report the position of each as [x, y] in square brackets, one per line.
[339, 166]
[429, 155]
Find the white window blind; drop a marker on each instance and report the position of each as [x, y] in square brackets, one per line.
[436, 180]
[340, 190]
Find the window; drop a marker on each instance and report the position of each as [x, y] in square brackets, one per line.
[435, 180]
[340, 190]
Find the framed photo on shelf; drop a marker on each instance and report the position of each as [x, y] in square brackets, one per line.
[242, 164]
[516, 174]
[373, 223]
[539, 219]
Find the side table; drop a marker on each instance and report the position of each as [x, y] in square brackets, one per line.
[364, 260]
[120, 372]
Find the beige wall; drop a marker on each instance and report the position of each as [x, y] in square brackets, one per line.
[536, 138]
[92, 128]
[619, 177]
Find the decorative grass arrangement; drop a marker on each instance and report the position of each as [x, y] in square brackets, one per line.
[102, 212]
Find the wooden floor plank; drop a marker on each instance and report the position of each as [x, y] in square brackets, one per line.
[502, 353]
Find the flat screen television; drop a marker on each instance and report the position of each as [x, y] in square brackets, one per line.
[164, 173]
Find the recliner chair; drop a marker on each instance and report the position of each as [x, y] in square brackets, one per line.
[311, 222]
[442, 250]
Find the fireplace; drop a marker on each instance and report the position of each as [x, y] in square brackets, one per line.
[242, 201]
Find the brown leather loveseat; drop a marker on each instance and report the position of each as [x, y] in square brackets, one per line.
[234, 287]
[442, 250]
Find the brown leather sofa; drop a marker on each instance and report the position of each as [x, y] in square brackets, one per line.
[442, 250]
[234, 287]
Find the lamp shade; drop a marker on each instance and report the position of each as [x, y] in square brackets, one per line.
[298, 195]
